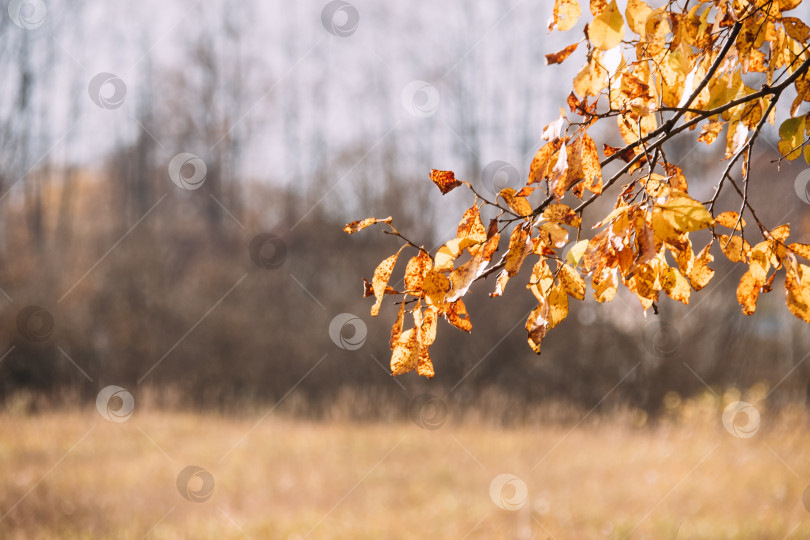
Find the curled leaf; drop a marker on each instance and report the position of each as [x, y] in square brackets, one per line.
[381, 276]
[537, 326]
[797, 290]
[444, 180]
[560, 56]
[458, 317]
[361, 224]
[701, 274]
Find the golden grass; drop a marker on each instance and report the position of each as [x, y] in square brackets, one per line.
[74, 475]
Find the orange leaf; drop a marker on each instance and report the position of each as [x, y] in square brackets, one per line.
[701, 274]
[381, 276]
[471, 226]
[444, 180]
[405, 355]
[519, 248]
[458, 317]
[802, 250]
[519, 205]
[572, 283]
[748, 292]
[537, 326]
[361, 224]
[559, 57]
[415, 272]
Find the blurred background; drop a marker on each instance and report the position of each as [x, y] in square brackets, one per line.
[174, 179]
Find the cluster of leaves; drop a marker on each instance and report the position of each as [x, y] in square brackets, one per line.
[682, 69]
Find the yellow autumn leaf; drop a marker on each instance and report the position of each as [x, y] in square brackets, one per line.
[542, 163]
[637, 13]
[583, 164]
[449, 252]
[597, 6]
[471, 226]
[519, 205]
[462, 277]
[656, 29]
[519, 248]
[541, 279]
[748, 292]
[361, 224]
[791, 137]
[576, 252]
[605, 288]
[797, 290]
[761, 259]
[405, 355]
[607, 30]
[675, 285]
[381, 276]
[434, 288]
[566, 13]
[730, 220]
[710, 132]
[561, 213]
[396, 329]
[571, 282]
[557, 306]
[736, 137]
[701, 274]
[537, 326]
[795, 28]
[427, 328]
[592, 77]
[415, 271]
[781, 233]
[424, 365]
[734, 248]
[550, 235]
[802, 250]
[684, 213]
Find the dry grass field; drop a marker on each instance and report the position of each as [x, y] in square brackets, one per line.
[74, 475]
